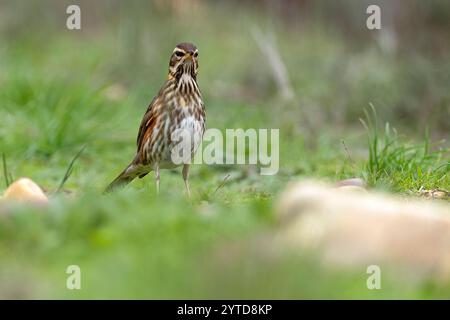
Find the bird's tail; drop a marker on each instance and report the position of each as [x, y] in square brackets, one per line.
[122, 180]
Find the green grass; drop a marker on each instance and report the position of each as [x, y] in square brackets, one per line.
[132, 244]
[401, 166]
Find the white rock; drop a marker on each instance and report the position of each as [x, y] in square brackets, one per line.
[364, 228]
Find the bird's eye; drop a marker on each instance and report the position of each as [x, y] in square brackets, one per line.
[179, 54]
[196, 54]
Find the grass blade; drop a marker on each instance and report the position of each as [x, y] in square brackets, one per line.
[69, 170]
[7, 176]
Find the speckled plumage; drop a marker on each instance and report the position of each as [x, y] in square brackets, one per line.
[178, 106]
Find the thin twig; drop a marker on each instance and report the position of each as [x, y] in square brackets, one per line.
[222, 183]
[348, 153]
[273, 56]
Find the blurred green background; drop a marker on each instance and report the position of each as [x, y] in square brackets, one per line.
[64, 89]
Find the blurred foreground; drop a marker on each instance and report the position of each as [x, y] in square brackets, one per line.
[62, 90]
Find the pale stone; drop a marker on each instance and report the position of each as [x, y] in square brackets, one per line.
[24, 190]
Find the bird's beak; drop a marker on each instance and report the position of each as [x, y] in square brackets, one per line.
[189, 56]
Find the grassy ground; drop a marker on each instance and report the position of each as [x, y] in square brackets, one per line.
[62, 90]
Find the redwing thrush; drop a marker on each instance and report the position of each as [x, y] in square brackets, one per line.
[178, 108]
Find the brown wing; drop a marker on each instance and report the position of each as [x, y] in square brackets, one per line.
[147, 124]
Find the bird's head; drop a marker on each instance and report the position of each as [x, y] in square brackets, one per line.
[184, 60]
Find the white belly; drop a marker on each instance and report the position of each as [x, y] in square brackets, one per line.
[186, 138]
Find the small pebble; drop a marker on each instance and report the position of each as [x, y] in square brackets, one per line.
[24, 190]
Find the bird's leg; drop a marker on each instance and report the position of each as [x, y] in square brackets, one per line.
[186, 179]
[157, 177]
